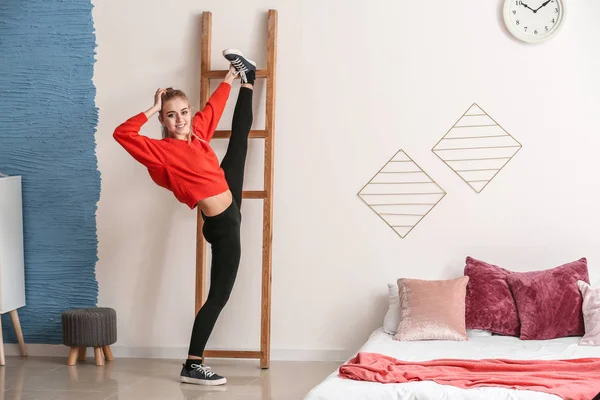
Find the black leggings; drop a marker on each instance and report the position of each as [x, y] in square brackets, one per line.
[222, 231]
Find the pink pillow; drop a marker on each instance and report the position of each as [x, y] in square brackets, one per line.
[489, 302]
[591, 314]
[432, 310]
[549, 302]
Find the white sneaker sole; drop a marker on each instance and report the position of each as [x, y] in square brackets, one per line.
[205, 382]
[237, 53]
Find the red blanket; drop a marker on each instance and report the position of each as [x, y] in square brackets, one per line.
[577, 379]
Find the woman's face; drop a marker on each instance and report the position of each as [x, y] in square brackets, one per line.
[176, 117]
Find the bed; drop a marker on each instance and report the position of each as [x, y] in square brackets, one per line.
[477, 347]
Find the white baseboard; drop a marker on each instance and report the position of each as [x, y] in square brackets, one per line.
[309, 355]
[43, 350]
[50, 350]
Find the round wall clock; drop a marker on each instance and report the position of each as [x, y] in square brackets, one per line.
[534, 21]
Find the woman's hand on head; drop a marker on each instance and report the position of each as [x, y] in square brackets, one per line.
[158, 98]
[157, 103]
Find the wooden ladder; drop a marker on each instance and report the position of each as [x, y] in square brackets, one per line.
[266, 194]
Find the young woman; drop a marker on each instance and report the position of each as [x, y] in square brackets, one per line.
[184, 163]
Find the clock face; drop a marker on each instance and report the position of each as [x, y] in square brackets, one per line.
[533, 21]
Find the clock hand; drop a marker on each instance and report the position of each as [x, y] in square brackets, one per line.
[543, 5]
[525, 5]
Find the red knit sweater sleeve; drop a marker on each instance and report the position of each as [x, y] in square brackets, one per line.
[206, 120]
[142, 148]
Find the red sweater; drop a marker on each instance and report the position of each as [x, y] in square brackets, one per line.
[190, 170]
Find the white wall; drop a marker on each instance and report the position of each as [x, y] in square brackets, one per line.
[356, 82]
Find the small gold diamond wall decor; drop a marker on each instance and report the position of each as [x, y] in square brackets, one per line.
[476, 148]
[401, 193]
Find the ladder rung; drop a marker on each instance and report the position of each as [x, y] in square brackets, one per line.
[254, 194]
[227, 134]
[220, 74]
[231, 354]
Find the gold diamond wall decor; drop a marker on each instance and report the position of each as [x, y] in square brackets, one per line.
[401, 193]
[476, 148]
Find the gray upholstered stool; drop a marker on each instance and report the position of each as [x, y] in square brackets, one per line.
[89, 327]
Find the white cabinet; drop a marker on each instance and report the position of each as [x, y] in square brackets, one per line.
[12, 264]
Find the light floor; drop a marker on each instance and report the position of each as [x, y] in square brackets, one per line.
[45, 378]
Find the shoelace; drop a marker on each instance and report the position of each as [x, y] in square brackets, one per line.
[243, 76]
[239, 65]
[203, 368]
[241, 69]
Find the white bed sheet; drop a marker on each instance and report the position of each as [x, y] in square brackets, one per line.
[335, 388]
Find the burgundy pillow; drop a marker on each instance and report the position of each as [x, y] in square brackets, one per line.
[489, 303]
[549, 302]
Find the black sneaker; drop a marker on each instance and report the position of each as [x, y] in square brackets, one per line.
[242, 65]
[200, 374]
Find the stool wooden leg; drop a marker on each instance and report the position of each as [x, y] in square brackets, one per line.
[73, 355]
[14, 316]
[82, 353]
[99, 356]
[107, 353]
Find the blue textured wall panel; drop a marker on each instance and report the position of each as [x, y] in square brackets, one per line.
[48, 119]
